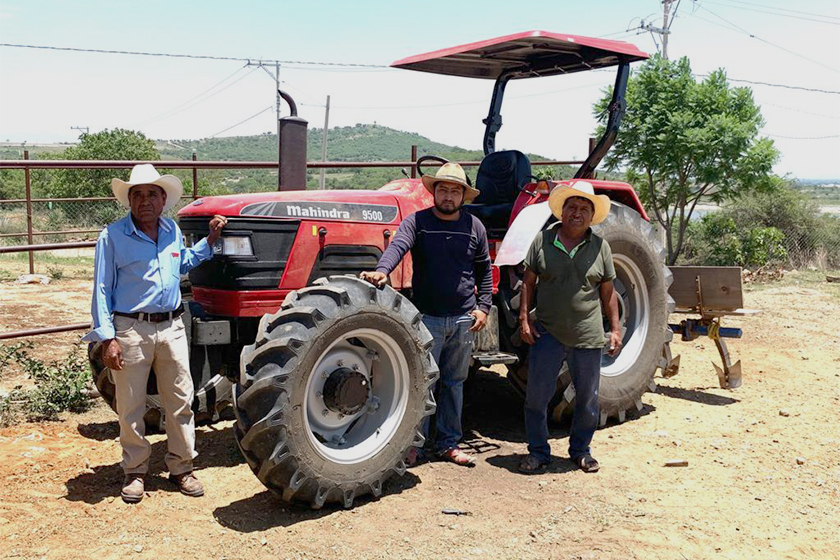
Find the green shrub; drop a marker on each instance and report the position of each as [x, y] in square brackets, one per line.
[716, 240]
[59, 385]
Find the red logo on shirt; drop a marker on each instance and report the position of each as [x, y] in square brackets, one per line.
[176, 254]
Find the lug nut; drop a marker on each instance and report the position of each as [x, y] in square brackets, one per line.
[325, 412]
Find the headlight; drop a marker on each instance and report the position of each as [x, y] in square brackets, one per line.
[238, 245]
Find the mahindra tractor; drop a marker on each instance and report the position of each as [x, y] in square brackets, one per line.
[331, 378]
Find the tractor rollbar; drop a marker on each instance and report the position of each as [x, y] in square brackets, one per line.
[494, 117]
[616, 108]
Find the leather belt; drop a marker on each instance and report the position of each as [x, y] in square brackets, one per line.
[153, 317]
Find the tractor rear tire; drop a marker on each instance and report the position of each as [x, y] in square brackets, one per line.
[213, 392]
[644, 306]
[334, 391]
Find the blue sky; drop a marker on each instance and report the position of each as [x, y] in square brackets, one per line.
[44, 93]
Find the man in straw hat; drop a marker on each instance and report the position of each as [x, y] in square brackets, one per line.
[452, 284]
[136, 313]
[575, 271]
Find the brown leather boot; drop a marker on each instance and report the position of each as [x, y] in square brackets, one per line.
[133, 488]
[188, 484]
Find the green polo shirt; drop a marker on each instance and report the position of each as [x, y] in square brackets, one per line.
[568, 296]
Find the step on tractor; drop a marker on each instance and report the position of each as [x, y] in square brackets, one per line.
[332, 378]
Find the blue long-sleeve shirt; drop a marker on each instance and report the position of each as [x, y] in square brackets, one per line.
[451, 262]
[132, 273]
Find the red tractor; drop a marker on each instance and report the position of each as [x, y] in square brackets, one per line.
[332, 377]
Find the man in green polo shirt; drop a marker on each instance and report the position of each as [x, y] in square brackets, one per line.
[575, 271]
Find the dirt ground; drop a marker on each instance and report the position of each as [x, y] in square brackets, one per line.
[762, 481]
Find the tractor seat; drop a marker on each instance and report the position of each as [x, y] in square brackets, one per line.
[499, 177]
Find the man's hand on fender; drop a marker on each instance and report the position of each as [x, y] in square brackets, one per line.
[376, 278]
[216, 225]
[112, 355]
[480, 319]
[527, 332]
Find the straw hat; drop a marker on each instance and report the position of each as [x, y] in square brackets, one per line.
[146, 174]
[451, 173]
[583, 189]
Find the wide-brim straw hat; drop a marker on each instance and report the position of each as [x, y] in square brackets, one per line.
[451, 173]
[146, 174]
[583, 189]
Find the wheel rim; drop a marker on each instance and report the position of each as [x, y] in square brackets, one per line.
[634, 316]
[353, 438]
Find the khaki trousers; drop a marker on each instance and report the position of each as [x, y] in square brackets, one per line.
[164, 346]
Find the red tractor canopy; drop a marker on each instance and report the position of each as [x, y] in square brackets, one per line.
[529, 54]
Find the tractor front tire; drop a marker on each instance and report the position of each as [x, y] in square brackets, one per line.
[334, 391]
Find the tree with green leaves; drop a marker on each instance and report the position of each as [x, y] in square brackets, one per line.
[683, 141]
[116, 144]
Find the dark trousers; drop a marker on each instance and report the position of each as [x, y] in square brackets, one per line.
[544, 362]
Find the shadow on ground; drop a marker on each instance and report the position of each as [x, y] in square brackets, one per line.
[216, 448]
[695, 396]
[266, 510]
[510, 463]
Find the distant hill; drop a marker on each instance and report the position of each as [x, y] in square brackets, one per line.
[362, 142]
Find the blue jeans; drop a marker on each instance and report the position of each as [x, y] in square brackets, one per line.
[453, 344]
[544, 362]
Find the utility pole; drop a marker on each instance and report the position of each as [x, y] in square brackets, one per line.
[81, 128]
[322, 183]
[665, 30]
[276, 77]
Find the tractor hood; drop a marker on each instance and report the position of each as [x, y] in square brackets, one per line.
[524, 55]
[380, 206]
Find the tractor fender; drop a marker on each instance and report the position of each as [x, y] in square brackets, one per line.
[521, 234]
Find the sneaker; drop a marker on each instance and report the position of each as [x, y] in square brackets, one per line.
[133, 488]
[188, 484]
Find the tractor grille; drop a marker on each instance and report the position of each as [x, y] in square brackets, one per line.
[271, 241]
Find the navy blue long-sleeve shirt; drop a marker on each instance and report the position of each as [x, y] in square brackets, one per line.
[450, 259]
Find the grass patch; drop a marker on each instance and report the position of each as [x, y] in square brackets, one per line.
[57, 267]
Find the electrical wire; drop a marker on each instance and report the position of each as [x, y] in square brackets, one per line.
[785, 10]
[193, 56]
[242, 122]
[753, 36]
[189, 105]
[771, 13]
[803, 137]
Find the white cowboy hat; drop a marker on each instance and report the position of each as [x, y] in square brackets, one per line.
[451, 173]
[146, 174]
[583, 189]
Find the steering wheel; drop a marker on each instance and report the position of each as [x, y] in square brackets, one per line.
[423, 159]
[536, 179]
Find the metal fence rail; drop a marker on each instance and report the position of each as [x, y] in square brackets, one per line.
[42, 217]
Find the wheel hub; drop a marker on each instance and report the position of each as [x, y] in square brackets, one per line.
[346, 391]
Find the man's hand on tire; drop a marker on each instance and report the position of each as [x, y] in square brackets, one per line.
[112, 355]
[376, 278]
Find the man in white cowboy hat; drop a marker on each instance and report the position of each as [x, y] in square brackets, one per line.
[452, 284]
[575, 271]
[136, 312]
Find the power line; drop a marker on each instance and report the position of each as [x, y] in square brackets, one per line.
[803, 137]
[785, 9]
[194, 56]
[182, 107]
[753, 36]
[242, 122]
[779, 85]
[772, 13]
